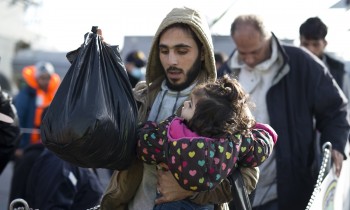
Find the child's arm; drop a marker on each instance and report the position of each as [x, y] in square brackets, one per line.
[151, 140]
[257, 145]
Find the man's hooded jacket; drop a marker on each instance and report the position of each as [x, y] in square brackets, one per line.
[123, 184]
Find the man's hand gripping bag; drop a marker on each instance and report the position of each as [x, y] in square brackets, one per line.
[92, 119]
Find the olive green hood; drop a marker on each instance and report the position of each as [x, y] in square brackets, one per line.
[199, 25]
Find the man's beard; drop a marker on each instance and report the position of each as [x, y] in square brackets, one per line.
[191, 76]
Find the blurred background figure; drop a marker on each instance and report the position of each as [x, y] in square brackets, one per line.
[9, 129]
[313, 34]
[135, 63]
[220, 58]
[5, 84]
[41, 85]
[222, 67]
[57, 184]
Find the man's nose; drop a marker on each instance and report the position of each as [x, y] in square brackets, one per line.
[249, 60]
[172, 58]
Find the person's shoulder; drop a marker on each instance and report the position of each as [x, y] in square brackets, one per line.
[334, 62]
[297, 53]
[302, 56]
[296, 50]
[26, 89]
[24, 95]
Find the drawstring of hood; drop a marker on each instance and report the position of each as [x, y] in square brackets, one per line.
[161, 102]
[177, 98]
[160, 105]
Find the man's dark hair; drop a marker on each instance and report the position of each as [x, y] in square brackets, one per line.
[313, 28]
[187, 28]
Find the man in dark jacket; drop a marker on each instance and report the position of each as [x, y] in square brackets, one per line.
[57, 184]
[313, 34]
[296, 95]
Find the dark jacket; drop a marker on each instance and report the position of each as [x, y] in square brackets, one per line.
[57, 184]
[22, 169]
[25, 104]
[9, 132]
[336, 68]
[303, 90]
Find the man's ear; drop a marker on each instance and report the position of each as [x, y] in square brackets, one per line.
[325, 43]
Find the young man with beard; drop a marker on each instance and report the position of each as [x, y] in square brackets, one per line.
[180, 58]
[294, 93]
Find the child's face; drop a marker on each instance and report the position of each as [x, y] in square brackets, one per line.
[189, 108]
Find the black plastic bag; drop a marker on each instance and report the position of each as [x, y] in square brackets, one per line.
[92, 119]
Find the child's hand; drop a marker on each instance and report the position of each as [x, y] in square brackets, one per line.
[268, 129]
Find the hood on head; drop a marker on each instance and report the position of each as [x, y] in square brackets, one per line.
[199, 25]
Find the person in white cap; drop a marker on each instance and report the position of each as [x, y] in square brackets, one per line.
[41, 85]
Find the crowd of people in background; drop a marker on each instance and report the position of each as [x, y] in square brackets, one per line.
[298, 93]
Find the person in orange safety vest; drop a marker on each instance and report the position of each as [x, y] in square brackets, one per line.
[41, 85]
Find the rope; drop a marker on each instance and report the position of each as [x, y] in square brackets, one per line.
[325, 166]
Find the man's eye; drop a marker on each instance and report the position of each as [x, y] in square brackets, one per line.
[163, 50]
[182, 52]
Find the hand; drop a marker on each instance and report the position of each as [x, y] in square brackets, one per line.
[99, 32]
[18, 153]
[337, 158]
[168, 187]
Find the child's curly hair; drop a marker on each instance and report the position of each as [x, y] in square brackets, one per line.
[222, 108]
